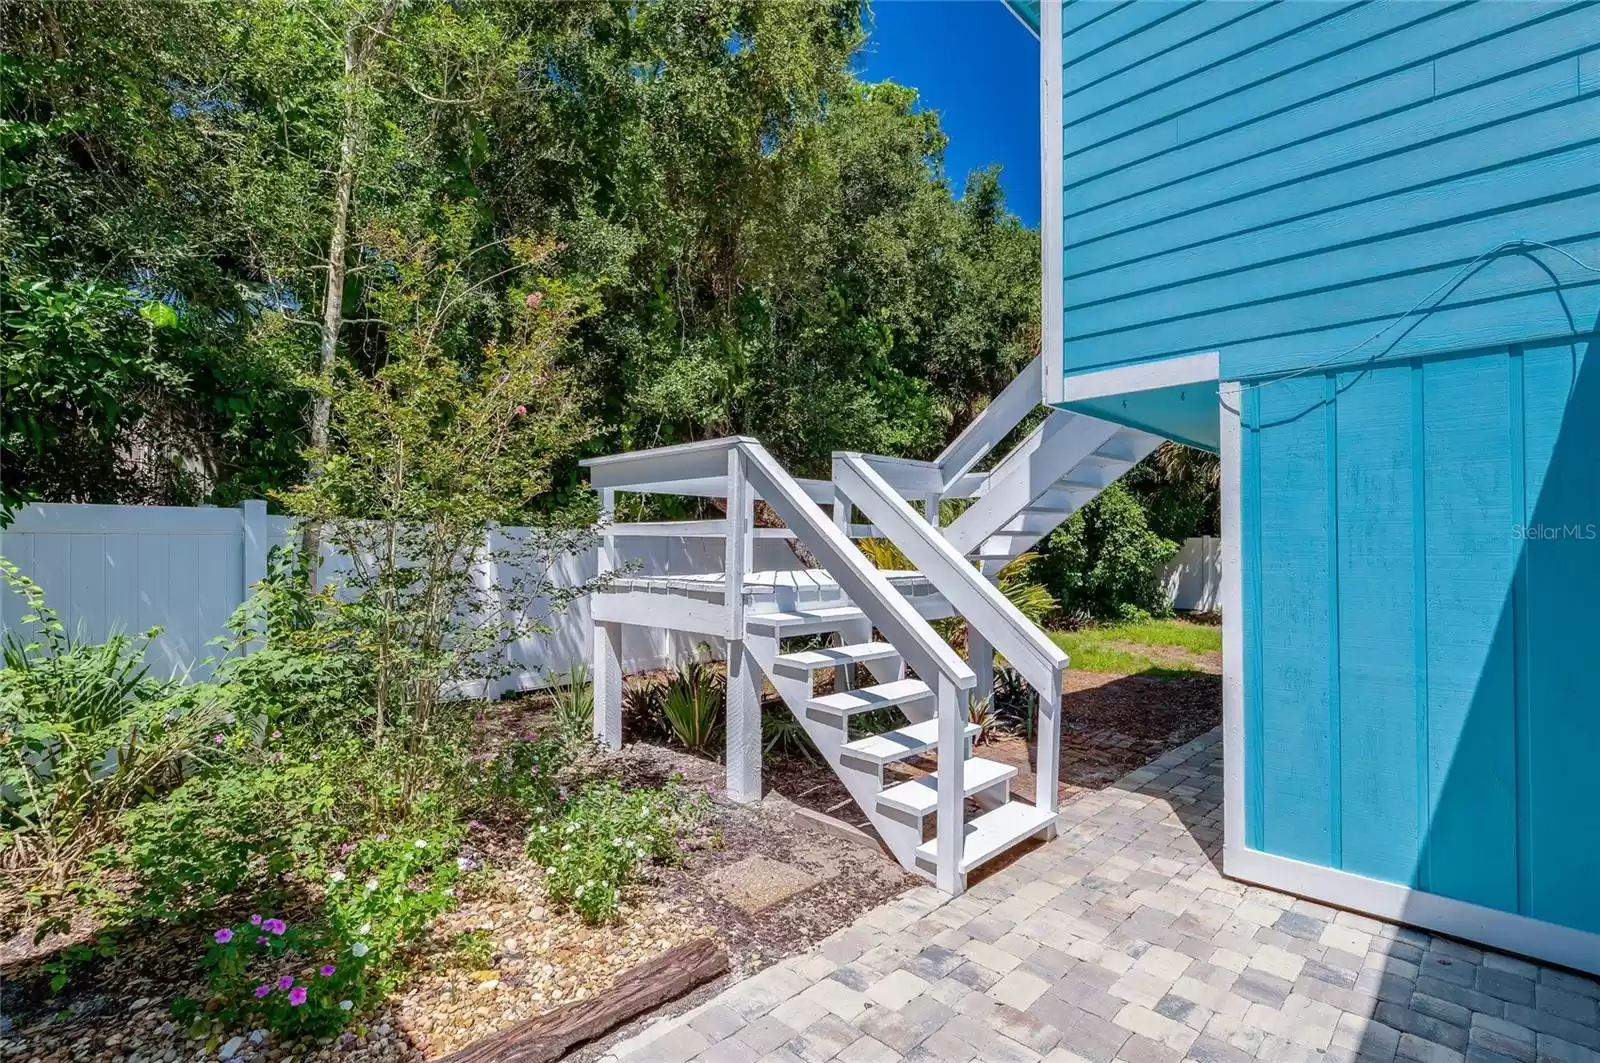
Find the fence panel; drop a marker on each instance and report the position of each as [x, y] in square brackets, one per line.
[1192, 580]
[185, 570]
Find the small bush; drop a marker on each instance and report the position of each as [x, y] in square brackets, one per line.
[1104, 561]
[574, 699]
[595, 846]
[694, 703]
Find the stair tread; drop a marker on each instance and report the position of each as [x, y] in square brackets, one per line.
[814, 619]
[868, 698]
[992, 833]
[890, 746]
[834, 656]
[920, 797]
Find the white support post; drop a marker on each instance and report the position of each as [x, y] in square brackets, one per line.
[744, 725]
[607, 667]
[951, 807]
[930, 510]
[744, 679]
[1047, 752]
[741, 534]
[1233, 678]
[980, 658]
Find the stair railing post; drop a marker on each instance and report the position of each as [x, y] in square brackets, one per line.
[980, 657]
[607, 644]
[744, 684]
[1047, 754]
[950, 810]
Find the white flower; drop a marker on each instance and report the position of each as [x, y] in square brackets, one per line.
[579, 891]
[464, 863]
[420, 843]
[336, 876]
[642, 853]
[550, 870]
[449, 893]
[567, 848]
[346, 1005]
[366, 928]
[617, 842]
[543, 829]
[359, 949]
[372, 884]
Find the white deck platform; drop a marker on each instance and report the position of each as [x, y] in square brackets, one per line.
[778, 591]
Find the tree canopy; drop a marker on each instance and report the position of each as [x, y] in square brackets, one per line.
[761, 242]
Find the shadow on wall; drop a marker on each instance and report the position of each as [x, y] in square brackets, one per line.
[1508, 694]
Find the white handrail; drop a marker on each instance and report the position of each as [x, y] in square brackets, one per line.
[990, 612]
[871, 592]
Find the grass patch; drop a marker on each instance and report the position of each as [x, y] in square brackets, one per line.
[1183, 634]
[1105, 649]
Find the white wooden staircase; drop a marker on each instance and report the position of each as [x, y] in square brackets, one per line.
[886, 655]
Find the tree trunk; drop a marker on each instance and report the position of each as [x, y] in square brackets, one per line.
[358, 46]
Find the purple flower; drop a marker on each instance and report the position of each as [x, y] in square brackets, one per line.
[297, 996]
[274, 926]
[473, 824]
[286, 981]
[223, 936]
[261, 940]
[218, 738]
[327, 970]
[277, 734]
[255, 920]
[262, 990]
[383, 837]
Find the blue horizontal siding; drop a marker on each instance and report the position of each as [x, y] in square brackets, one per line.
[1423, 711]
[1269, 180]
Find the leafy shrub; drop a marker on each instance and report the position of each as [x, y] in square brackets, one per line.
[86, 733]
[245, 833]
[694, 703]
[525, 774]
[780, 731]
[575, 705]
[1105, 560]
[596, 845]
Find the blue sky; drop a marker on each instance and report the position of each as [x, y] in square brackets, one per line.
[978, 67]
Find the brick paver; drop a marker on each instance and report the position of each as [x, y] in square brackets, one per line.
[1120, 942]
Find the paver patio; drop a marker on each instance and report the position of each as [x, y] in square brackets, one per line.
[1120, 940]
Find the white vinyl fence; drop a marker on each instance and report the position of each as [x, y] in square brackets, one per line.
[1192, 580]
[185, 570]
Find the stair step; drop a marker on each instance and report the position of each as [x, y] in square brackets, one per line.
[799, 665]
[866, 699]
[803, 621]
[891, 746]
[920, 797]
[990, 834]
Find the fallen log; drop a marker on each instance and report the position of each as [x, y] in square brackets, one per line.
[548, 1037]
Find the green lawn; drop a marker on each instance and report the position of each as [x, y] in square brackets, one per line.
[1117, 647]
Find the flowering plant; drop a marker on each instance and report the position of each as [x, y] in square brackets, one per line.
[597, 844]
[264, 968]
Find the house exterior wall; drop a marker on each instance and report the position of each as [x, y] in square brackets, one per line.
[1384, 218]
[1420, 551]
[1278, 182]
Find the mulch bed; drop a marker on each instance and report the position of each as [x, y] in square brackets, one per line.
[737, 890]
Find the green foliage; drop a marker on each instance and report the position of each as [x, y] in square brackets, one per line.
[249, 833]
[694, 703]
[782, 733]
[85, 733]
[596, 845]
[574, 700]
[1104, 561]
